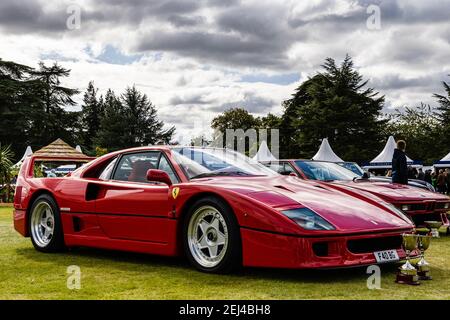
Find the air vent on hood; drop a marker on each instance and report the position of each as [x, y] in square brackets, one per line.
[284, 188]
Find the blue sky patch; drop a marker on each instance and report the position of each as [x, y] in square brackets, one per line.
[282, 79]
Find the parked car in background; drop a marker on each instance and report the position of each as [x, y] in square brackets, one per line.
[217, 207]
[354, 167]
[419, 204]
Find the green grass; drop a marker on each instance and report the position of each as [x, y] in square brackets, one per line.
[28, 274]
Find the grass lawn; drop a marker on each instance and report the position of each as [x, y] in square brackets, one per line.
[28, 274]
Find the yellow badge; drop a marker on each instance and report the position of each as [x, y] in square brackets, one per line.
[175, 192]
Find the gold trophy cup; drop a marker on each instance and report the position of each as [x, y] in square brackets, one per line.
[407, 274]
[423, 267]
[433, 226]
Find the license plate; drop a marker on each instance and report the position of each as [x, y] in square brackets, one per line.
[386, 256]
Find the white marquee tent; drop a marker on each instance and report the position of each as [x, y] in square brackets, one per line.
[264, 153]
[444, 162]
[28, 152]
[325, 153]
[384, 159]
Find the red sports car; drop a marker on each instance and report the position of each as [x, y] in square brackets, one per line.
[421, 205]
[219, 208]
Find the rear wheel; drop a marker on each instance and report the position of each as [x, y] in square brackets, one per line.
[211, 236]
[45, 227]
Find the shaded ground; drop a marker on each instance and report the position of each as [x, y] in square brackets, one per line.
[28, 274]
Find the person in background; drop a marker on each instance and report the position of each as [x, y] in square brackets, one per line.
[441, 182]
[389, 174]
[427, 177]
[52, 174]
[412, 173]
[447, 178]
[434, 178]
[421, 175]
[399, 166]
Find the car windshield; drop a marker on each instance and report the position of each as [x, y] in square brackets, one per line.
[352, 167]
[325, 171]
[209, 162]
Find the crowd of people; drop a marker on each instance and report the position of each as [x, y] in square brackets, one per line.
[438, 178]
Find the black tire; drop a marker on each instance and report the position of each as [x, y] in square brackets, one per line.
[56, 242]
[232, 258]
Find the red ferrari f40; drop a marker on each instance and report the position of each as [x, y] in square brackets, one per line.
[217, 207]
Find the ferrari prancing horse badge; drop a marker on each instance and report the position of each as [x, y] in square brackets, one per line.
[175, 192]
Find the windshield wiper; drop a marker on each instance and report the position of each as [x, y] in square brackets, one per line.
[221, 173]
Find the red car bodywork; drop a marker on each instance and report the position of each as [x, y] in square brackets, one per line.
[423, 205]
[145, 217]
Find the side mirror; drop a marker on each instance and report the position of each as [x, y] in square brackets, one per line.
[366, 175]
[158, 176]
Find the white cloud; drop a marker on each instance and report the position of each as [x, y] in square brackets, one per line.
[193, 54]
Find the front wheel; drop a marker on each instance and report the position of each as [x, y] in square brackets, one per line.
[211, 236]
[45, 225]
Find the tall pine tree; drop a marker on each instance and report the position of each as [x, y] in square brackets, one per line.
[91, 114]
[444, 116]
[334, 104]
[130, 121]
[144, 126]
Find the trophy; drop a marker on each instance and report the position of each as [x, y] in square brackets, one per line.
[423, 267]
[433, 226]
[407, 274]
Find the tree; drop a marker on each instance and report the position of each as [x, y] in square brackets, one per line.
[234, 119]
[6, 156]
[16, 100]
[50, 119]
[420, 128]
[130, 121]
[112, 134]
[92, 111]
[444, 116]
[144, 126]
[333, 104]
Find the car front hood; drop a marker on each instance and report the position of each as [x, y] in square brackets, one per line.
[395, 191]
[348, 211]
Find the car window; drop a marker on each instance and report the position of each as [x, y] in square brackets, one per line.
[287, 169]
[165, 166]
[324, 171]
[134, 166]
[106, 173]
[280, 167]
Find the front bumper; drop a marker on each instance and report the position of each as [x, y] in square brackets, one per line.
[264, 249]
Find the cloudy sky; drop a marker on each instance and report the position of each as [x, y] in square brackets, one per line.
[196, 58]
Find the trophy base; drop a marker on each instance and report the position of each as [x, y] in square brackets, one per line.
[409, 279]
[424, 275]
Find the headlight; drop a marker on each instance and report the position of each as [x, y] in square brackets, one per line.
[308, 219]
[398, 212]
[447, 205]
[405, 207]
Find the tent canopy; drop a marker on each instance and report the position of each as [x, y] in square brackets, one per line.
[264, 153]
[446, 158]
[325, 153]
[384, 159]
[28, 152]
[444, 162]
[59, 150]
